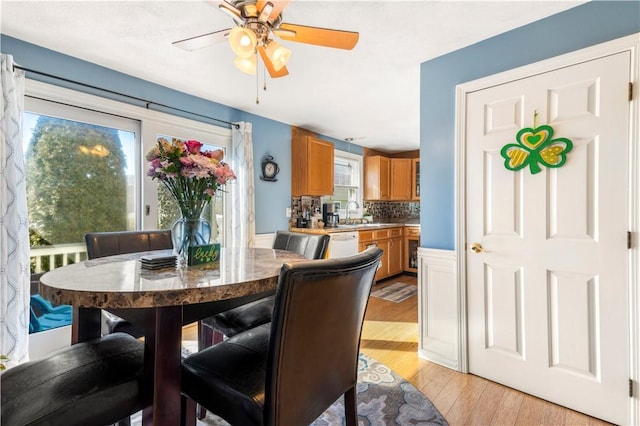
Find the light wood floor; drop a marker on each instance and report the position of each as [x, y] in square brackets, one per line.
[390, 335]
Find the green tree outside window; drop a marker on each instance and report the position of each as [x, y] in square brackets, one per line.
[76, 181]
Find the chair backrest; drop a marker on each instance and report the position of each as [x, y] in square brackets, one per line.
[101, 244]
[315, 335]
[311, 246]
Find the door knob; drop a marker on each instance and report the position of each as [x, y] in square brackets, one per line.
[476, 247]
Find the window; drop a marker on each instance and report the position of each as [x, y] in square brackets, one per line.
[347, 181]
[86, 170]
[81, 176]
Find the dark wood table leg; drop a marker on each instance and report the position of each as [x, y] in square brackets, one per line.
[86, 324]
[163, 343]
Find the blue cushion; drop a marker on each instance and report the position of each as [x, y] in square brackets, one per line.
[47, 321]
[44, 306]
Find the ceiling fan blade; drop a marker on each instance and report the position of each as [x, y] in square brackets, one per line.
[320, 36]
[277, 7]
[267, 63]
[201, 41]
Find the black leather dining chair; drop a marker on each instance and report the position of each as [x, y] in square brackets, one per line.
[291, 370]
[102, 244]
[234, 321]
[91, 383]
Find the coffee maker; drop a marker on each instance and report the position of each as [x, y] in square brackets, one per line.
[329, 215]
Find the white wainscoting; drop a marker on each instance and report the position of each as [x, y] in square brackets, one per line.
[264, 240]
[438, 316]
[41, 344]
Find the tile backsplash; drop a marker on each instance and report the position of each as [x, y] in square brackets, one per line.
[393, 210]
[300, 204]
[379, 209]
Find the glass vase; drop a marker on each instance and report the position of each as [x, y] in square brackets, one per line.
[189, 232]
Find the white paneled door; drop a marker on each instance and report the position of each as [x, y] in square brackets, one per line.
[547, 281]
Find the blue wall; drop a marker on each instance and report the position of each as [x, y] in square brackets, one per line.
[577, 28]
[269, 137]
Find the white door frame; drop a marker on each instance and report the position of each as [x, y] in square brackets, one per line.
[629, 43]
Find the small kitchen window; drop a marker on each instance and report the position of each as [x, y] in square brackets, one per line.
[347, 181]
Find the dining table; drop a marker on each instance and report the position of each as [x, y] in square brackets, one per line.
[163, 300]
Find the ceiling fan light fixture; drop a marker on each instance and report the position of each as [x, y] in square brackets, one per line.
[243, 41]
[256, 22]
[246, 65]
[277, 54]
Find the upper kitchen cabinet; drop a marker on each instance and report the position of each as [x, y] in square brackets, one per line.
[401, 183]
[376, 178]
[415, 179]
[391, 178]
[311, 164]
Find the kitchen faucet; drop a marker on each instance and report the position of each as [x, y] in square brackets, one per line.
[346, 220]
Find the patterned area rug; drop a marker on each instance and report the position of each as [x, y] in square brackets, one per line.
[384, 399]
[396, 292]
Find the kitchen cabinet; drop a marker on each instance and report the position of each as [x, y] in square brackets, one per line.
[395, 256]
[383, 270]
[311, 165]
[376, 177]
[411, 244]
[400, 178]
[415, 179]
[391, 179]
[390, 241]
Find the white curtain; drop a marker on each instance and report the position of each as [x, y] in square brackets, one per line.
[241, 192]
[14, 228]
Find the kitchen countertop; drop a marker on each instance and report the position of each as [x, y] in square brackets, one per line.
[353, 227]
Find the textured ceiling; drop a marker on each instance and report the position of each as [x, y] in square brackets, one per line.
[370, 94]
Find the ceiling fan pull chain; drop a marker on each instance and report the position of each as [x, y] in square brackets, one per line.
[257, 91]
[264, 78]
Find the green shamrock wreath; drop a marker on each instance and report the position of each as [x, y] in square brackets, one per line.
[536, 146]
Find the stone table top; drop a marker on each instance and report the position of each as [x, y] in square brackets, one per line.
[121, 282]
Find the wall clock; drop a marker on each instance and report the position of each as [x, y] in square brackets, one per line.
[269, 169]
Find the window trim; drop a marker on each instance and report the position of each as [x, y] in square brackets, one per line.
[64, 95]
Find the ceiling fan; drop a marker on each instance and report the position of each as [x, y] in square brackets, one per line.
[257, 21]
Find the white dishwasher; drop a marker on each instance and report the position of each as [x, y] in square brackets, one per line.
[343, 244]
